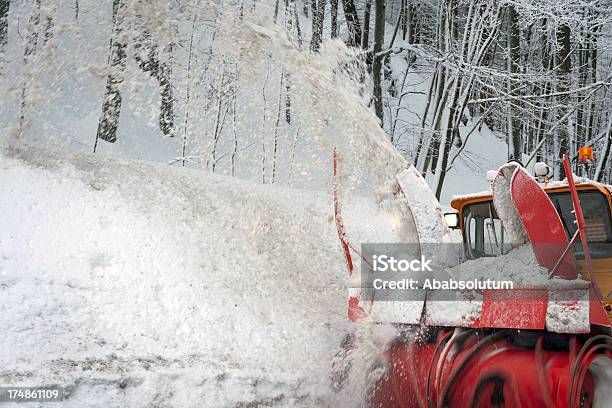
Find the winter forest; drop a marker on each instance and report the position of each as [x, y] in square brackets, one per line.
[203, 84]
[185, 186]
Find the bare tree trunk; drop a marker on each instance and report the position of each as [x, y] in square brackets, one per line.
[593, 78]
[219, 122]
[605, 154]
[365, 40]
[166, 111]
[157, 61]
[264, 126]
[313, 9]
[317, 26]
[546, 62]
[515, 140]
[295, 141]
[431, 145]
[296, 19]
[411, 21]
[404, 18]
[398, 23]
[334, 18]
[445, 139]
[565, 67]
[111, 105]
[408, 19]
[234, 133]
[581, 112]
[379, 36]
[4, 11]
[352, 21]
[29, 51]
[289, 8]
[421, 142]
[277, 126]
[217, 131]
[188, 91]
[276, 8]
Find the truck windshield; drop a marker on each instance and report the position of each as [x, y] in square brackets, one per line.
[596, 217]
[484, 235]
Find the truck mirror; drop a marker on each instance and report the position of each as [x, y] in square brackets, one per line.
[452, 219]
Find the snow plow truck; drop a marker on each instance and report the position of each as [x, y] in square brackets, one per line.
[547, 344]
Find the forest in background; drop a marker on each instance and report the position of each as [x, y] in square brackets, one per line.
[194, 81]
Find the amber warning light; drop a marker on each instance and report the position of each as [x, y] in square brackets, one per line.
[585, 155]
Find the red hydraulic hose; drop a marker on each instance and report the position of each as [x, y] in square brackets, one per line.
[583, 370]
[492, 338]
[576, 369]
[430, 393]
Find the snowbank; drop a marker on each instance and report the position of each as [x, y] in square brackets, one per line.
[519, 266]
[136, 284]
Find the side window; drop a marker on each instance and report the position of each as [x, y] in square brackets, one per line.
[484, 234]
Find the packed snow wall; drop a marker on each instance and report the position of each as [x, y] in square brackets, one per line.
[138, 284]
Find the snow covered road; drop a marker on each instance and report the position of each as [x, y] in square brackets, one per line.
[135, 284]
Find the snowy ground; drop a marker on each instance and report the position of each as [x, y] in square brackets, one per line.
[138, 284]
[135, 284]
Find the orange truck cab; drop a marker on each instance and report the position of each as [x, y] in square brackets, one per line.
[483, 232]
